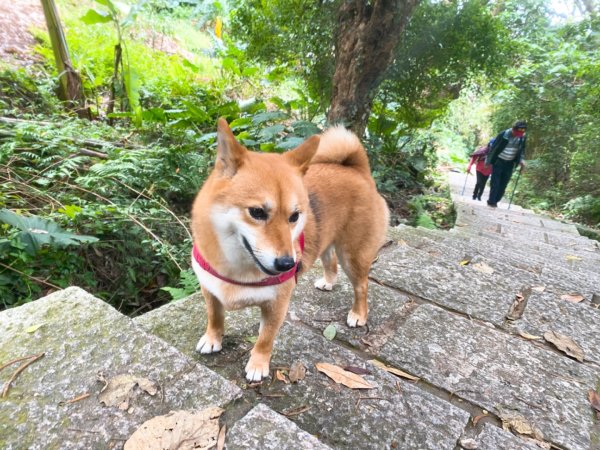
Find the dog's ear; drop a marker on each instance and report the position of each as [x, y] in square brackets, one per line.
[230, 153]
[302, 154]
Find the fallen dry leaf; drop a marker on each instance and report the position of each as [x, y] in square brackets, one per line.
[483, 268]
[393, 370]
[295, 411]
[119, 389]
[33, 328]
[517, 308]
[565, 344]
[518, 423]
[478, 418]
[572, 298]
[297, 372]
[281, 377]
[573, 258]
[465, 261]
[180, 430]
[531, 337]
[221, 438]
[594, 398]
[357, 370]
[344, 377]
[541, 444]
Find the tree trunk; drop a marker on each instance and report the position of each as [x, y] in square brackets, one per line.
[367, 34]
[71, 88]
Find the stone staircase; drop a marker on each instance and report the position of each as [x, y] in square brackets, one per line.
[439, 302]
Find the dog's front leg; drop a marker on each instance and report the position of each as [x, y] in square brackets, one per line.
[211, 341]
[272, 317]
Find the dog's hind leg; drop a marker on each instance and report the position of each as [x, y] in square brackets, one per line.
[357, 267]
[329, 260]
[211, 341]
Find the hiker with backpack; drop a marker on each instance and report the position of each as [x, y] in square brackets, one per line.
[481, 170]
[507, 152]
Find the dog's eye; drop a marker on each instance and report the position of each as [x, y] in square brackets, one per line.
[294, 217]
[258, 213]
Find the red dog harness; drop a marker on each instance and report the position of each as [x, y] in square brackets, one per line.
[269, 281]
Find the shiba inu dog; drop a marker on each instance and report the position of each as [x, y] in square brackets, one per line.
[261, 219]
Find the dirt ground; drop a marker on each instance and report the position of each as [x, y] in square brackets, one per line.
[17, 17]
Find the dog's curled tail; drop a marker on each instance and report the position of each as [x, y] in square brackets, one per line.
[341, 146]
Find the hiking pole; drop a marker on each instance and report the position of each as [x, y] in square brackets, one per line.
[465, 185]
[515, 187]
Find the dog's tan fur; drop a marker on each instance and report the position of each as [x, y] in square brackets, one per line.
[345, 218]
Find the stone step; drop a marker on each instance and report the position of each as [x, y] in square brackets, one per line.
[263, 428]
[394, 414]
[573, 258]
[544, 311]
[519, 233]
[503, 374]
[545, 231]
[548, 275]
[531, 253]
[477, 211]
[54, 402]
[447, 283]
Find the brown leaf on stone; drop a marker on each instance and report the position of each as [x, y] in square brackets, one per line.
[531, 337]
[341, 376]
[393, 370]
[180, 430]
[221, 438]
[565, 344]
[519, 424]
[594, 399]
[281, 377]
[478, 418]
[357, 370]
[297, 372]
[119, 389]
[572, 298]
[517, 308]
[295, 411]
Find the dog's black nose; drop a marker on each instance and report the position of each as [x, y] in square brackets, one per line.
[284, 263]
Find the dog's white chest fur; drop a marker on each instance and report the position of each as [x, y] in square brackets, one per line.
[232, 296]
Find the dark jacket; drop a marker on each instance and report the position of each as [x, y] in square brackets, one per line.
[500, 144]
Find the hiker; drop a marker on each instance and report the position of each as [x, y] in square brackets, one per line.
[481, 170]
[507, 152]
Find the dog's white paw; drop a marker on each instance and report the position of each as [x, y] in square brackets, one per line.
[207, 344]
[354, 320]
[323, 285]
[257, 370]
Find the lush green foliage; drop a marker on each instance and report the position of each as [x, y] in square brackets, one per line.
[556, 87]
[130, 185]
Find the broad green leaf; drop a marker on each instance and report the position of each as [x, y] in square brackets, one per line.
[36, 232]
[290, 143]
[92, 17]
[305, 129]
[268, 116]
[269, 133]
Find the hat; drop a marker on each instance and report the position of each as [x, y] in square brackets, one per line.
[520, 124]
